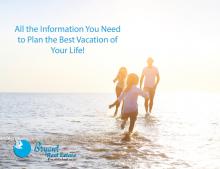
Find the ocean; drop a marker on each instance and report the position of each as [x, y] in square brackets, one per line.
[183, 131]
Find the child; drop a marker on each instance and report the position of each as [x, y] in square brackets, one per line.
[120, 79]
[129, 96]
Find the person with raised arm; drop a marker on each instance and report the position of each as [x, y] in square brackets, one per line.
[130, 96]
[120, 79]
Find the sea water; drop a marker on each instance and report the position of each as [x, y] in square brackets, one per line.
[182, 132]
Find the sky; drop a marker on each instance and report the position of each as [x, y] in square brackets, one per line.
[183, 37]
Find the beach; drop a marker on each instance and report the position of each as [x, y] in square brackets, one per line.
[182, 132]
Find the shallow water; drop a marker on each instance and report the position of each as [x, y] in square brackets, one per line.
[183, 131]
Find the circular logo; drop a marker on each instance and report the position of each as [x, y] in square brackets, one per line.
[22, 148]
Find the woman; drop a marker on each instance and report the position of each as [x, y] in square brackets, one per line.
[120, 78]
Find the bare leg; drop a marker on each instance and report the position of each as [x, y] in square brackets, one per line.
[146, 105]
[133, 118]
[124, 117]
[152, 93]
[151, 105]
[118, 91]
[116, 109]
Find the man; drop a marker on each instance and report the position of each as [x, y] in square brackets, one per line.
[151, 78]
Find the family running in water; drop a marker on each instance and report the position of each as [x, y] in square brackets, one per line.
[128, 92]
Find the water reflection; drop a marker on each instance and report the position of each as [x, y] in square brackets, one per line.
[172, 137]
